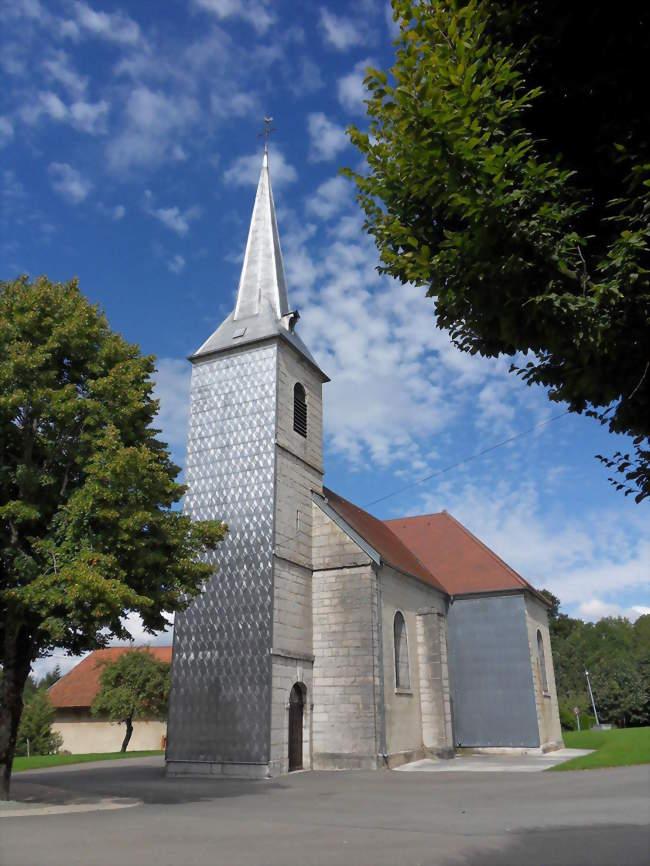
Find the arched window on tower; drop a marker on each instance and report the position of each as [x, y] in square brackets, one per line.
[402, 675]
[299, 410]
[541, 660]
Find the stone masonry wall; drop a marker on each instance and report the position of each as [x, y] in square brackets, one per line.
[546, 703]
[346, 669]
[435, 700]
[404, 706]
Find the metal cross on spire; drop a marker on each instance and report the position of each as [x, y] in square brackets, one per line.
[268, 129]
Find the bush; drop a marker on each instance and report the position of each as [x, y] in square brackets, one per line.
[36, 728]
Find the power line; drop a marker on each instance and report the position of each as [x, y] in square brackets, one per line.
[466, 459]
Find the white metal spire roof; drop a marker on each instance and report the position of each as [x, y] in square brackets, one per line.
[262, 307]
[262, 278]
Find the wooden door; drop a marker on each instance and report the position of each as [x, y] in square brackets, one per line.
[296, 709]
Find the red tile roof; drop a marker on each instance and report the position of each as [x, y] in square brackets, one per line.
[380, 536]
[80, 685]
[462, 562]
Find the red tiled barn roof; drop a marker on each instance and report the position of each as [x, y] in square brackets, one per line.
[462, 563]
[380, 536]
[80, 685]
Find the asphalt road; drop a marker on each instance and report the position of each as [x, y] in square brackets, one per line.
[595, 818]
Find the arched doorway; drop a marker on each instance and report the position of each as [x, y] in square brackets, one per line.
[296, 712]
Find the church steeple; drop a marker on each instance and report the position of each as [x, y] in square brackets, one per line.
[262, 307]
[262, 280]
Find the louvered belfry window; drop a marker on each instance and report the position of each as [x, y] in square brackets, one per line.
[299, 410]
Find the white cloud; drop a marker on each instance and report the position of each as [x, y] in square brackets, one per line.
[6, 131]
[255, 13]
[330, 197]
[245, 170]
[351, 90]
[176, 264]
[393, 26]
[87, 117]
[340, 32]
[327, 138]
[58, 68]
[118, 212]
[68, 182]
[228, 104]
[152, 123]
[587, 560]
[114, 27]
[172, 388]
[173, 217]
[595, 609]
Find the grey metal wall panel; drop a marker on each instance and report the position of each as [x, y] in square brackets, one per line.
[490, 673]
[221, 672]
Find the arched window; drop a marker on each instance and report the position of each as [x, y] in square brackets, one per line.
[402, 676]
[541, 660]
[299, 409]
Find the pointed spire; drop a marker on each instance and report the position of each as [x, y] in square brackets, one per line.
[262, 283]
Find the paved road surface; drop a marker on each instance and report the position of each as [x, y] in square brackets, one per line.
[595, 818]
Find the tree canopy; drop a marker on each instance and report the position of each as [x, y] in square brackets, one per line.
[89, 530]
[508, 173]
[616, 653]
[135, 686]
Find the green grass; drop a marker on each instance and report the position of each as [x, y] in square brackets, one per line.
[36, 762]
[616, 748]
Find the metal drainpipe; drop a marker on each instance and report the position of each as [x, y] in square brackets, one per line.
[380, 654]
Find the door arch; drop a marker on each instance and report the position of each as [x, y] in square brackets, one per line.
[296, 714]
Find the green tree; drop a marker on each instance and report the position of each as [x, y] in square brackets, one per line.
[35, 735]
[508, 173]
[135, 686]
[88, 527]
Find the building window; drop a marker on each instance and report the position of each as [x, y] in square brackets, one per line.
[299, 409]
[402, 676]
[541, 661]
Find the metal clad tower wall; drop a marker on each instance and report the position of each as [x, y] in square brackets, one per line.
[490, 673]
[221, 677]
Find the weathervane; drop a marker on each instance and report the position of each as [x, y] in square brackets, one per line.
[268, 129]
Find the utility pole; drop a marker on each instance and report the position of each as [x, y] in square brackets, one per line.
[591, 695]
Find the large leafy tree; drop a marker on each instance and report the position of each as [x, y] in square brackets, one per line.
[508, 173]
[88, 529]
[616, 653]
[135, 686]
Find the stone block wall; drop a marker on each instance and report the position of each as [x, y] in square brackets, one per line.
[404, 706]
[546, 703]
[291, 369]
[346, 669]
[286, 672]
[435, 698]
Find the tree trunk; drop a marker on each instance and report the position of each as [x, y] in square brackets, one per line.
[129, 731]
[17, 652]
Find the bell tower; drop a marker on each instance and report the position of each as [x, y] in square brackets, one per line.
[243, 647]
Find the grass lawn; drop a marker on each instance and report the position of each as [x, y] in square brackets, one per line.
[35, 762]
[615, 748]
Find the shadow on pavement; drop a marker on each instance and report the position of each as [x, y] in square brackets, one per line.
[603, 845]
[149, 784]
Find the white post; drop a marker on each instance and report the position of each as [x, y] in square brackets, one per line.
[591, 695]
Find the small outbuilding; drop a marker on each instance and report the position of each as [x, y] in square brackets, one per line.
[85, 733]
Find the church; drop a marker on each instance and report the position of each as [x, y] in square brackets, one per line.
[327, 638]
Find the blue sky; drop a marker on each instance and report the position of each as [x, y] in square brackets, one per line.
[129, 158]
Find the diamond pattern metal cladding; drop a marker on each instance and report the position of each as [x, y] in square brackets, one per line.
[221, 675]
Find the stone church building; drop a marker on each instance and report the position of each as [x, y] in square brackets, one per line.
[328, 638]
